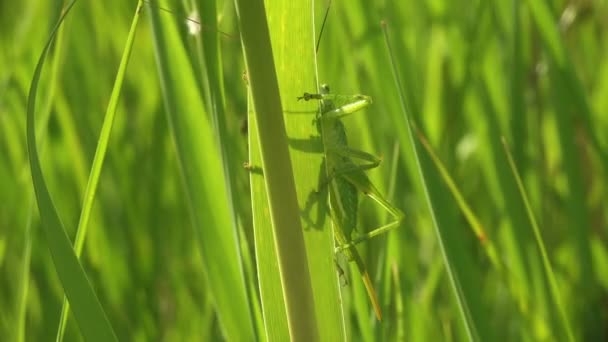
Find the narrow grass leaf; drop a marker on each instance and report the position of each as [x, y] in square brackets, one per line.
[450, 243]
[278, 171]
[566, 76]
[294, 40]
[100, 153]
[474, 222]
[269, 276]
[88, 312]
[541, 246]
[201, 169]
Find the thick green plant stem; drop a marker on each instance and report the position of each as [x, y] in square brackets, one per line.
[278, 174]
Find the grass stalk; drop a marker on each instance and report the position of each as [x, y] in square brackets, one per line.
[93, 323]
[557, 298]
[278, 173]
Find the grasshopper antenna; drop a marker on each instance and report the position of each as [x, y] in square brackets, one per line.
[323, 26]
[187, 18]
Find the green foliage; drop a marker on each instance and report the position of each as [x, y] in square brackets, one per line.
[178, 241]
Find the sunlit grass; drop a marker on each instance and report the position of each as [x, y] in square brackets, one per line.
[179, 245]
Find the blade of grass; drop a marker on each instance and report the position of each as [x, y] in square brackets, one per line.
[570, 97]
[25, 279]
[566, 75]
[213, 86]
[518, 113]
[201, 168]
[399, 303]
[455, 258]
[100, 153]
[89, 314]
[260, 58]
[541, 246]
[294, 43]
[20, 330]
[208, 42]
[269, 277]
[474, 222]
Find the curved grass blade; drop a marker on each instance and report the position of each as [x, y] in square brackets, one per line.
[100, 153]
[21, 313]
[89, 314]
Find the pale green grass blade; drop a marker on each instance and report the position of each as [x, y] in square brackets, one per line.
[541, 246]
[293, 44]
[213, 88]
[88, 312]
[265, 82]
[201, 168]
[252, 288]
[269, 277]
[100, 154]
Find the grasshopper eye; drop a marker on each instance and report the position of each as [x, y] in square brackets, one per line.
[325, 88]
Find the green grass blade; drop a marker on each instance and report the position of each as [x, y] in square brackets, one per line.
[21, 318]
[20, 331]
[292, 43]
[201, 168]
[570, 100]
[100, 153]
[213, 87]
[518, 234]
[88, 312]
[269, 276]
[474, 222]
[541, 247]
[456, 260]
[566, 74]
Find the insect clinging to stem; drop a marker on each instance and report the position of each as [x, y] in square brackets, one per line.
[346, 179]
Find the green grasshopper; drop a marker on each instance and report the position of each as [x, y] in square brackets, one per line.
[346, 179]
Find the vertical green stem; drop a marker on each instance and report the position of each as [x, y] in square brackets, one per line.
[278, 173]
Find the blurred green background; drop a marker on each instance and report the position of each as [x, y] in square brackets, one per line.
[535, 72]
